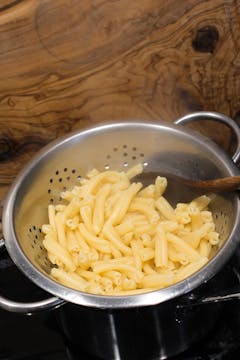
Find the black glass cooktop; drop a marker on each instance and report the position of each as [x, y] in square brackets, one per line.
[38, 337]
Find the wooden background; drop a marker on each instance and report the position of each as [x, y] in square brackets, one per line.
[65, 64]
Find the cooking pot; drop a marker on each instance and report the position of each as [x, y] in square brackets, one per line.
[106, 322]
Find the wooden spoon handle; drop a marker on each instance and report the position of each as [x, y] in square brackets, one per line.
[216, 185]
[230, 183]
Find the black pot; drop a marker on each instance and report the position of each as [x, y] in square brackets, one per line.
[146, 333]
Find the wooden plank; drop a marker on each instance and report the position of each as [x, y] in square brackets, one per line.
[68, 64]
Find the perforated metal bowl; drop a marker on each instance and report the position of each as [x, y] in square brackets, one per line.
[160, 147]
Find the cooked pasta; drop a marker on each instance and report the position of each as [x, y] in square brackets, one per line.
[114, 237]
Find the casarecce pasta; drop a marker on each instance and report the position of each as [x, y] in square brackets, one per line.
[114, 237]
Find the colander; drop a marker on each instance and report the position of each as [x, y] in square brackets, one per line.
[159, 147]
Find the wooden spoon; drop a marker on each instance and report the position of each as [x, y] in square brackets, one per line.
[230, 183]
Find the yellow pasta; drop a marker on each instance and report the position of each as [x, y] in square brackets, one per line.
[51, 217]
[98, 211]
[73, 245]
[148, 192]
[102, 266]
[135, 170]
[196, 219]
[69, 279]
[160, 186]
[205, 248]
[72, 209]
[161, 247]
[144, 207]
[122, 206]
[136, 255]
[157, 280]
[115, 276]
[201, 202]
[165, 209]
[114, 237]
[94, 241]
[124, 228]
[73, 223]
[60, 254]
[188, 270]
[86, 214]
[183, 246]
[60, 228]
[92, 173]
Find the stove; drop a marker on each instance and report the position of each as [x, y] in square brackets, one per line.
[38, 337]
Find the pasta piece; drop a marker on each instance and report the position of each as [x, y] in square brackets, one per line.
[157, 280]
[115, 252]
[86, 214]
[124, 202]
[183, 217]
[193, 238]
[148, 269]
[205, 248]
[67, 195]
[103, 266]
[73, 223]
[100, 244]
[72, 209]
[124, 227]
[98, 211]
[73, 245]
[88, 275]
[107, 176]
[115, 276]
[130, 292]
[122, 184]
[128, 284]
[165, 209]
[160, 186]
[190, 269]
[161, 247]
[177, 257]
[92, 173]
[111, 203]
[82, 243]
[201, 202]
[196, 219]
[51, 216]
[146, 254]
[128, 237]
[145, 208]
[148, 192]
[61, 256]
[137, 258]
[112, 235]
[183, 247]
[46, 228]
[60, 229]
[107, 284]
[69, 279]
[170, 226]
[213, 238]
[134, 171]
[147, 240]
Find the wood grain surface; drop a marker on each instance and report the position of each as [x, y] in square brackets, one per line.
[69, 63]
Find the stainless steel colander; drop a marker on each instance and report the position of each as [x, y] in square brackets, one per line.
[160, 147]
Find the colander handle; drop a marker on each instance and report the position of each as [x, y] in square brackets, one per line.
[204, 115]
[31, 307]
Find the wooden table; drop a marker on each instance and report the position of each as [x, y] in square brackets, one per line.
[65, 64]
